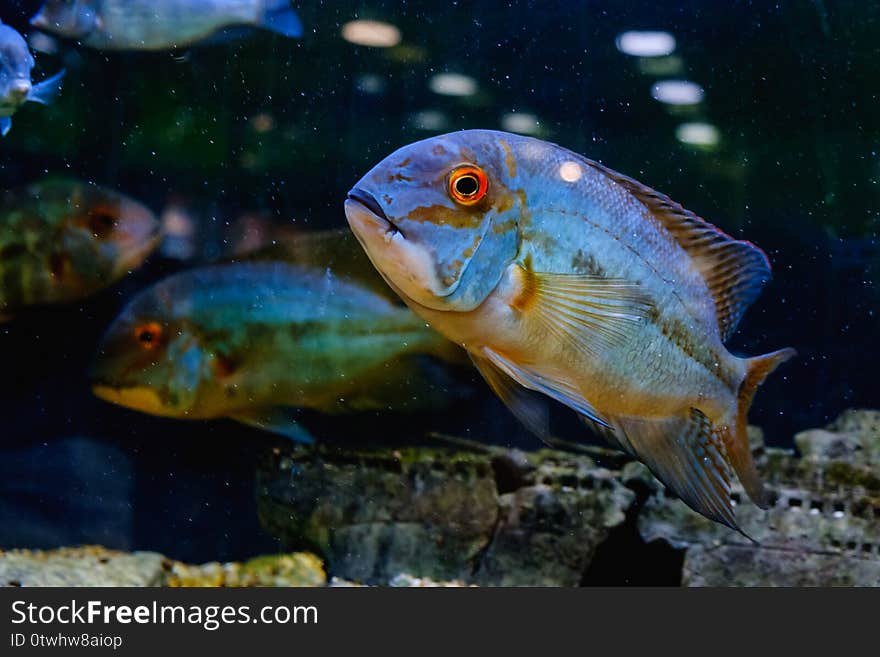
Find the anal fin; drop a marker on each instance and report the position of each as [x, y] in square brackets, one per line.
[687, 454]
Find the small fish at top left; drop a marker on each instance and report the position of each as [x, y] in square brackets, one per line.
[16, 88]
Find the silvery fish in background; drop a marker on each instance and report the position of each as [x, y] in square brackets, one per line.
[16, 88]
[254, 340]
[563, 277]
[160, 24]
[63, 240]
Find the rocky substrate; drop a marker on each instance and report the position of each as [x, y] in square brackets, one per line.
[478, 515]
[93, 565]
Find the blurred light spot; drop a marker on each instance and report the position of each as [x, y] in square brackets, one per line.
[370, 83]
[698, 134]
[42, 42]
[179, 230]
[677, 92]
[453, 84]
[570, 171]
[429, 120]
[646, 44]
[661, 66]
[375, 34]
[263, 122]
[521, 122]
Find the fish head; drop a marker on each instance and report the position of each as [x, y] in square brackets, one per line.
[117, 231]
[16, 63]
[440, 218]
[151, 359]
[70, 18]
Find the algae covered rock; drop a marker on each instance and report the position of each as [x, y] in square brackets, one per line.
[550, 527]
[94, 565]
[376, 514]
[822, 526]
[82, 566]
[734, 565]
[298, 569]
[853, 438]
[487, 516]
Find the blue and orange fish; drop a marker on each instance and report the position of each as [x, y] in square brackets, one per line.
[565, 278]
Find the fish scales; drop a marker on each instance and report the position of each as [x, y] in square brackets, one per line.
[627, 244]
[163, 24]
[568, 279]
[131, 21]
[254, 340]
[293, 311]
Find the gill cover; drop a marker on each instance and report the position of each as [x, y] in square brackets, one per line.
[439, 219]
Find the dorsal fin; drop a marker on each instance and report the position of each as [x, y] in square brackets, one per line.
[735, 271]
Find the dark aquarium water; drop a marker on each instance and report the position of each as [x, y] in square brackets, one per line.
[763, 118]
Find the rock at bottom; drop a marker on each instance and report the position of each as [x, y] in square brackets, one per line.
[730, 565]
[94, 565]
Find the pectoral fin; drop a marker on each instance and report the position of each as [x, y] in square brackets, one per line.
[687, 455]
[276, 420]
[591, 313]
[526, 406]
[559, 390]
[46, 90]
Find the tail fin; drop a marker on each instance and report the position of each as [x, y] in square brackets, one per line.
[736, 438]
[279, 17]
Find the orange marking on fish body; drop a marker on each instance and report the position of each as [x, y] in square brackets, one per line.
[509, 158]
[445, 216]
[527, 288]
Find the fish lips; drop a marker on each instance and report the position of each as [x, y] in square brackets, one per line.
[362, 207]
[406, 266]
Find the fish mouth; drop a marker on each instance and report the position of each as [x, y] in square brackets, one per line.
[368, 201]
[139, 398]
[362, 202]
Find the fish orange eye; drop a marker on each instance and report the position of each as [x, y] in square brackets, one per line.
[468, 184]
[148, 335]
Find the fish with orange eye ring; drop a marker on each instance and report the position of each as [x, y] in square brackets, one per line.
[255, 341]
[564, 278]
[468, 184]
